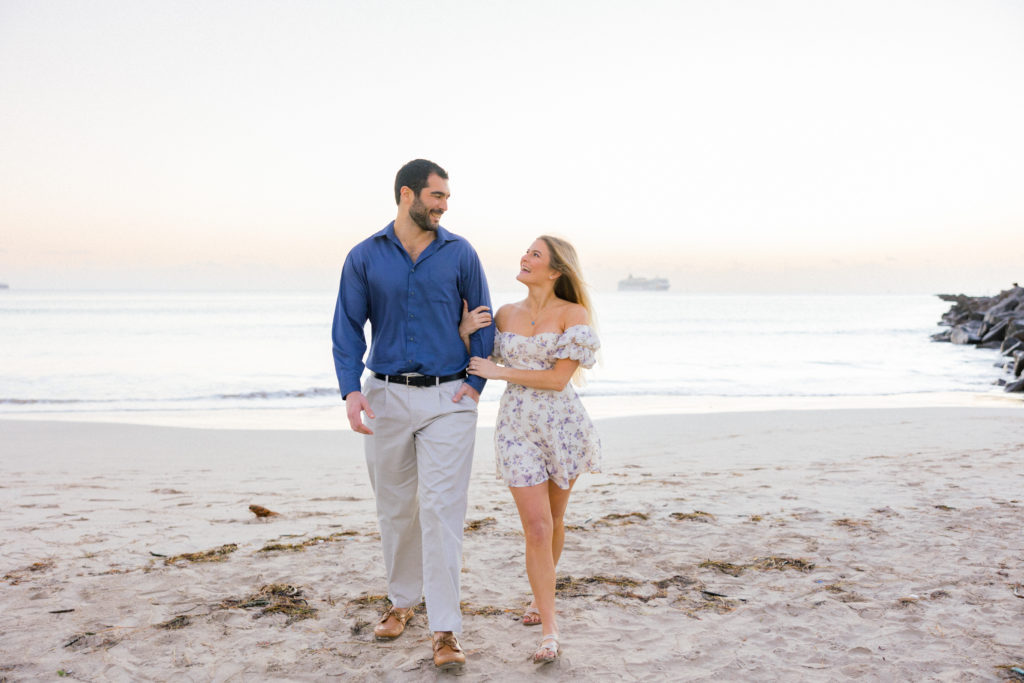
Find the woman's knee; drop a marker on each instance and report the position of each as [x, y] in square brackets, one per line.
[538, 530]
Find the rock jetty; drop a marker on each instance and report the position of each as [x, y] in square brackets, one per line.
[989, 322]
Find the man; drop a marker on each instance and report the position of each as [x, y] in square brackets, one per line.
[411, 281]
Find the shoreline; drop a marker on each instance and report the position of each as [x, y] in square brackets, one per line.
[599, 407]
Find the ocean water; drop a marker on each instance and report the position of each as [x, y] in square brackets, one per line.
[83, 352]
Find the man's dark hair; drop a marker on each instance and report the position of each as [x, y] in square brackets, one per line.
[414, 176]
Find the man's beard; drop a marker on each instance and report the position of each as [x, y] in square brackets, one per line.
[421, 216]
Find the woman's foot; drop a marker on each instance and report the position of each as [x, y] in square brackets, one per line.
[548, 650]
[531, 617]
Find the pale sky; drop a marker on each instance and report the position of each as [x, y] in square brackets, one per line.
[733, 146]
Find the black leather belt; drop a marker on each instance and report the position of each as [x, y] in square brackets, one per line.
[420, 380]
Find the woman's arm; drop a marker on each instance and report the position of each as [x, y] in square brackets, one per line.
[472, 321]
[552, 379]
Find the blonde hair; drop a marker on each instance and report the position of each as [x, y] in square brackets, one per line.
[570, 285]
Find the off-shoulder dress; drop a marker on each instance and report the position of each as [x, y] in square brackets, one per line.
[544, 434]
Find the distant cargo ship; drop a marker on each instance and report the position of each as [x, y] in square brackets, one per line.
[643, 284]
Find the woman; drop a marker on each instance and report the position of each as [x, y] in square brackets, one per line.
[544, 438]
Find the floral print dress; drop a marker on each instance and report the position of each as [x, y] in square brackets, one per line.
[544, 434]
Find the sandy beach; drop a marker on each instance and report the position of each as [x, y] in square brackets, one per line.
[821, 545]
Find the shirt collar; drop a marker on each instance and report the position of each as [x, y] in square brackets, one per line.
[389, 233]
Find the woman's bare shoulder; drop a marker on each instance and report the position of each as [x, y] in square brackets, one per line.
[574, 314]
[506, 311]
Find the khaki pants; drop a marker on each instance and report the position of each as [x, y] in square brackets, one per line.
[419, 459]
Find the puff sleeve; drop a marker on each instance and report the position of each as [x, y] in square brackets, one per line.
[579, 342]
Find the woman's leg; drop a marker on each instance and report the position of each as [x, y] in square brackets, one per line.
[558, 499]
[535, 514]
[542, 512]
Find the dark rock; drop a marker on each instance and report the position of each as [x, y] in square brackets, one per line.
[1006, 306]
[1015, 329]
[996, 332]
[1015, 386]
[989, 322]
[967, 333]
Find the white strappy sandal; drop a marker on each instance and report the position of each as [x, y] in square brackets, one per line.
[548, 650]
[531, 617]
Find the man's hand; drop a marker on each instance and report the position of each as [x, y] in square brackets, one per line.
[464, 390]
[355, 405]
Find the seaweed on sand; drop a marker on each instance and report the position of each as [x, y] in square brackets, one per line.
[478, 524]
[213, 555]
[842, 593]
[723, 567]
[677, 581]
[851, 523]
[291, 547]
[275, 598]
[367, 600]
[297, 547]
[627, 518]
[782, 563]
[760, 564]
[180, 621]
[484, 610]
[17, 576]
[571, 587]
[695, 516]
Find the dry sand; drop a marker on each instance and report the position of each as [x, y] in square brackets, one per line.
[875, 545]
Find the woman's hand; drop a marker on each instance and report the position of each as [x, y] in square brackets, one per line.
[483, 367]
[473, 320]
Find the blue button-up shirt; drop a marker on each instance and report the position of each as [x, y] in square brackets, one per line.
[414, 309]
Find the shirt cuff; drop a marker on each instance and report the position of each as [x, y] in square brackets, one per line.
[349, 387]
[476, 382]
